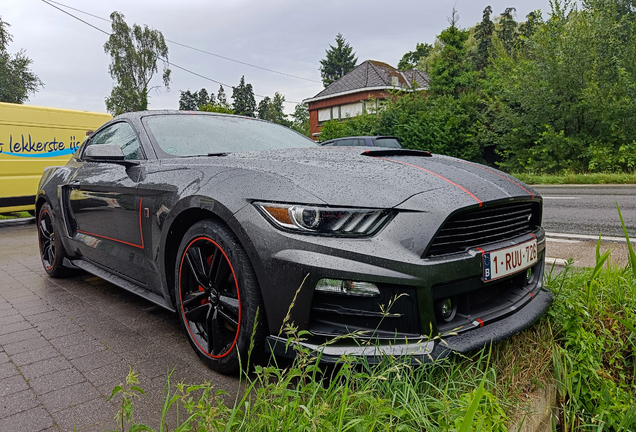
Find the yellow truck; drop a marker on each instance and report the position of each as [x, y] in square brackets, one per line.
[32, 138]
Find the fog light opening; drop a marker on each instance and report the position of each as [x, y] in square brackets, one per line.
[446, 309]
[347, 287]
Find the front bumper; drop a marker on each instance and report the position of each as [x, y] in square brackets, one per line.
[424, 350]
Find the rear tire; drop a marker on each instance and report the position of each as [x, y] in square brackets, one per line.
[217, 297]
[52, 251]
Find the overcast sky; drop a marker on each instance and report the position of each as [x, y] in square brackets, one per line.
[288, 36]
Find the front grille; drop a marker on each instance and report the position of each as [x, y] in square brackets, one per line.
[485, 225]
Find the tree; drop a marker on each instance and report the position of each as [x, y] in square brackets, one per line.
[134, 53]
[340, 60]
[272, 109]
[221, 98]
[263, 108]
[507, 29]
[451, 71]
[17, 80]
[301, 119]
[483, 33]
[243, 96]
[412, 58]
[191, 101]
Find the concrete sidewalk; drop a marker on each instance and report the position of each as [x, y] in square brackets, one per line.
[65, 343]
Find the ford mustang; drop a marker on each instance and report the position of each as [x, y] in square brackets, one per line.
[241, 227]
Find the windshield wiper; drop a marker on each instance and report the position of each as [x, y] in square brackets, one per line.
[218, 154]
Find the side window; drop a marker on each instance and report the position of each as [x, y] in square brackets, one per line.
[344, 143]
[121, 134]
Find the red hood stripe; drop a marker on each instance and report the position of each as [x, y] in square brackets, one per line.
[489, 170]
[435, 174]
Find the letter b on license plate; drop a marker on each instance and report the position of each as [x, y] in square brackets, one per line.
[507, 261]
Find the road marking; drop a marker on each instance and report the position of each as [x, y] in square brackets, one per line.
[590, 237]
[560, 240]
[556, 261]
[560, 197]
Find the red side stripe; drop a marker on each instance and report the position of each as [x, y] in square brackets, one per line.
[481, 323]
[481, 250]
[505, 178]
[436, 175]
[121, 241]
[531, 295]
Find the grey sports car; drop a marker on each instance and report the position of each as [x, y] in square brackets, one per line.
[240, 226]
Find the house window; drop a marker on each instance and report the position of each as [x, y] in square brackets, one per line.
[324, 114]
[351, 110]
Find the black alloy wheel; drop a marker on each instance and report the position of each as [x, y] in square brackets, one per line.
[217, 295]
[51, 249]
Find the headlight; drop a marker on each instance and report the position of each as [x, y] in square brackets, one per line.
[341, 222]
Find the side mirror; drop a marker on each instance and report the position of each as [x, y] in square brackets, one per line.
[103, 153]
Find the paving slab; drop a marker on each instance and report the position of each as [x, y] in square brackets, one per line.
[65, 343]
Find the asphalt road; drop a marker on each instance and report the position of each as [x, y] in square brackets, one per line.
[588, 209]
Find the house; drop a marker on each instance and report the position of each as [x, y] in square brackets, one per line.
[359, 90]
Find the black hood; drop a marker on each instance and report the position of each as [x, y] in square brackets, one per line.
[384, 179]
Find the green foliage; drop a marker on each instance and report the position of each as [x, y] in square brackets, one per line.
[507, 30]
[451, 71]
[218, 105]
[17, 80]
[411, 59]
[577, 178]
[272, 110]
[565, 99]
[593, 322]
[440, 124]
[339, 61]
[483, 34]
[221, 98]
[243, 97]
[134, 53]
[301, 119]
[191, 101]
[216, 108]
[127, 391]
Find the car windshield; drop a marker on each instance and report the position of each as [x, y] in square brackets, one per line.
[200, 134]
[387, 142]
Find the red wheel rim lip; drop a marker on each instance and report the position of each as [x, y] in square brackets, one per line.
[40, 239]
[238, 294]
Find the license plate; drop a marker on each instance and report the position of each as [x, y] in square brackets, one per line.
[510, 260]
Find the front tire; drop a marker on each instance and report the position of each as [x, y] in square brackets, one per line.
[51, 250]
[218, 297]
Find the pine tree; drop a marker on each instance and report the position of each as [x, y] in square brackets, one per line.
[340, 60]
[243, 96]
[263, 108]
[483, 34]
[507, 31]
[451, 71]
[193, 101]
[221, 98]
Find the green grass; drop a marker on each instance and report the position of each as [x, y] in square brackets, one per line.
[14, 215]
[570, 178]
[585, 345]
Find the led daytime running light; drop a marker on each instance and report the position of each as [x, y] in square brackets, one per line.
[343, 222]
